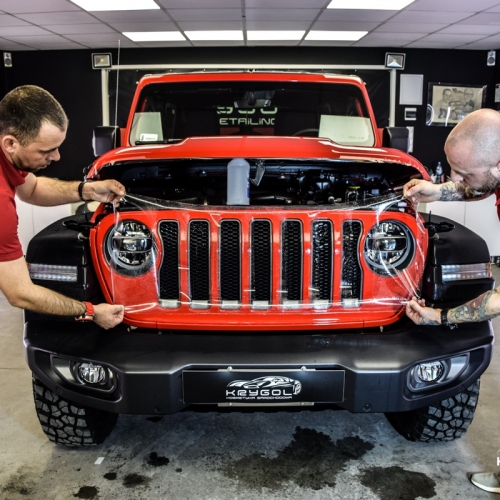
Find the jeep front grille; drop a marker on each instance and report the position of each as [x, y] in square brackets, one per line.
[233, 264]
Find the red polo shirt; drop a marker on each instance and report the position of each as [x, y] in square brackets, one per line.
[10, 178]
[497, 194]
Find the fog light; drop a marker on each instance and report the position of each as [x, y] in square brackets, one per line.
[430, 372]
[92, 374]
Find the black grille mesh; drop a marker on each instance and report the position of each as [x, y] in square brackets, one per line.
[169, 270]
[291, 261]
[230, 260]
[261, 260]
[199, 264]
[351, 270]
[322, 254]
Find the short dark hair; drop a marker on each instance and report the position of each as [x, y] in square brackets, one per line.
[24, 110]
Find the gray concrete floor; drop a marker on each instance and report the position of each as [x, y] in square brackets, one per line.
[300, 456]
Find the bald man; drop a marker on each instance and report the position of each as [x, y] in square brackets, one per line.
[473, 153]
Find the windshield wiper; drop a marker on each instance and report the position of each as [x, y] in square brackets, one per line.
[164, 141]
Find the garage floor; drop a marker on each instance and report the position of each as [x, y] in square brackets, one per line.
[306, 455]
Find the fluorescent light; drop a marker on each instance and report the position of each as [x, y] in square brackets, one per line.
[215, 35]
[100, 5]
[370, 4]
[336, 35]
[154, 36]
[275, 35]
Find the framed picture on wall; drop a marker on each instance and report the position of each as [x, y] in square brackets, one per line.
[448, 103]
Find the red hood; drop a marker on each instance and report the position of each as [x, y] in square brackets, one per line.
[256, 147]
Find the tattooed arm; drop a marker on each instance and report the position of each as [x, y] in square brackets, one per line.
[458, 191]
[482, 308]
[418, 190]
[486, 306]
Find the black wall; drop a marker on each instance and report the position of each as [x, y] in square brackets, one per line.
[69, 76]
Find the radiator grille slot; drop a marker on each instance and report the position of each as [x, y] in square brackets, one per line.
[322, 262]
[199, 262]
[261, 263]
[291, 261]
[351, 270]
[230, 263]
[169, 270]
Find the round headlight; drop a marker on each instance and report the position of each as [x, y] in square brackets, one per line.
[130, 247]
[389, 247]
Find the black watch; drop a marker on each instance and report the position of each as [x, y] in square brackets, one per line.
[444, 321]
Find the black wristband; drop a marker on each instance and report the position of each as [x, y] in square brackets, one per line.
[444, 321]
[80, 190]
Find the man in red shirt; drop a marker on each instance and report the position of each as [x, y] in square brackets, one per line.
[32, 127]
[473, 152]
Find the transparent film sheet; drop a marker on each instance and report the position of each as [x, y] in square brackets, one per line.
[182, 265]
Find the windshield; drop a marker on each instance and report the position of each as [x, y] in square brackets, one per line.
[170, 112]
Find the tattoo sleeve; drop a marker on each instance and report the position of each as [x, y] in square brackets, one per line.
[475, 310]
[428, 322]
[456, 191]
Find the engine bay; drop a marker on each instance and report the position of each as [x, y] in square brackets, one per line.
[267, 182]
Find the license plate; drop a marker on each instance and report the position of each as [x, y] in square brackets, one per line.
[263, 386]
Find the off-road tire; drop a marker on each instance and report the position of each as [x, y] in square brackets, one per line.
[443, 421]
[70, 424]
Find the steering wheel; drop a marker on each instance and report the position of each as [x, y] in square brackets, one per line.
[305, 131]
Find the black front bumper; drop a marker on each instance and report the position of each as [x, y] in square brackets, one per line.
[148, 367]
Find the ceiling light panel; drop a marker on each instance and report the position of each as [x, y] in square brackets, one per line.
[369, 4]
[275, 35]
[110, 5]
[154, 36]
[335, 35]
[215, 35]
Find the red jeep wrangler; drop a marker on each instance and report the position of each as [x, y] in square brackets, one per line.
[264, 255]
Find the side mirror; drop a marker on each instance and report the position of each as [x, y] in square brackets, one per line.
[105, 139]
[397, 138]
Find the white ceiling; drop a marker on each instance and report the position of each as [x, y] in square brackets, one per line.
[60, 24]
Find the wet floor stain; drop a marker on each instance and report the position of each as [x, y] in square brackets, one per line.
[311, 460]
[17, 484]
[87, 492]
[396, 483]
[133, 480]
[110, 476]
[155, 460]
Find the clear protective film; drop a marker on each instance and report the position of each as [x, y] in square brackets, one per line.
[190, 266]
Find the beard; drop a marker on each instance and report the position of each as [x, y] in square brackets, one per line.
[489, 185]
[19, 165]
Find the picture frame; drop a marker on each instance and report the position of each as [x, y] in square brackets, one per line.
[448, 103]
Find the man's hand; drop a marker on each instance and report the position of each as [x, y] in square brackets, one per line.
[421, 315]
[108, 191]
[108, 315]
[420, 191]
